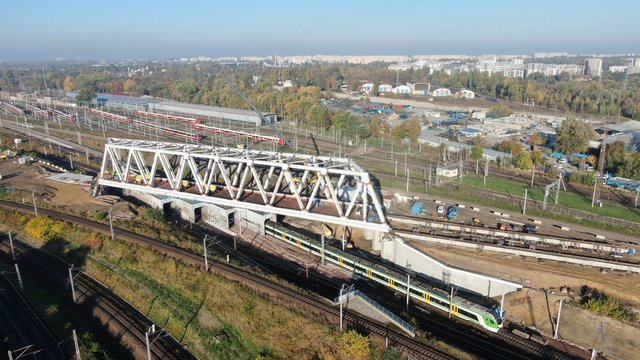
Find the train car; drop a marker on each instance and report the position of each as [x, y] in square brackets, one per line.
[39, 113]
[169, 131]
[69, 117]
[183, 119]
[464, 309]
[111, 116]
[13, 109]
[240, 134]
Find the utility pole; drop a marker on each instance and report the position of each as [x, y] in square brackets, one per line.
[596, 186]
[33, 196]
[486, 172]
[13, 254]
[75, 344]
[524, 207]
[408, 286]
[111, 224]
[555, 335]
[407, 179]
[73, 290]
[206, 249]
[19, 277]
[71, 160]
[396, 167]
[322, 243]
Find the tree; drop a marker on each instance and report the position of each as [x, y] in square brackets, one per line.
[500, 110]
[573, 136]
[535, 140]
[631, 167]
[355, 346]
[523, 161]
[537, 157]
[68, 83]
[614, 157]
[130, 85]
[510, 146]
[476, 154]
[86, 94]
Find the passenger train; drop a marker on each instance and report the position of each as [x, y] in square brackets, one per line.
[464, 309]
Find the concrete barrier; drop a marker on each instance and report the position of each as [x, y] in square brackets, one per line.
[496, 213]
[462, 206]
[601, 237]
[506, 215]
[536, 221]
[437, 201]
[523, 252]
[565, 228]
[475, 209]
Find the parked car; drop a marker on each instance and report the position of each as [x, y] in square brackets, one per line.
[440, 209]
[563, 160]
[530, 228]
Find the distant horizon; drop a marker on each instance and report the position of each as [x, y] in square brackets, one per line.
[270, 56]
[41, 30]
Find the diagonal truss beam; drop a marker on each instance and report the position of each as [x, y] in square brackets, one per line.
[334, 190]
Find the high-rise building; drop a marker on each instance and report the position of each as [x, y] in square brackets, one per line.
[593, 67]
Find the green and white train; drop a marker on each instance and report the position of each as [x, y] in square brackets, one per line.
[459, 307]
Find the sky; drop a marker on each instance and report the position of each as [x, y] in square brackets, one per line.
[137, 29]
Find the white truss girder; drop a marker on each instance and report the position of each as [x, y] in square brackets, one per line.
[333, 190]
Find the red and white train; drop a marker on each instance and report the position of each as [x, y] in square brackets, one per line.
[13, 109]
[168, 117]
[111, 116]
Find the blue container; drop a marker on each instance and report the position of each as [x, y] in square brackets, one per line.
[417, 207]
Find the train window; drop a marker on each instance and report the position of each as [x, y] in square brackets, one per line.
[467, 314]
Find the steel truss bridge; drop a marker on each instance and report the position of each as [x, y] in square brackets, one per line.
[326, 189]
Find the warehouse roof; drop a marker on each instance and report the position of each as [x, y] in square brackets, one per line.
[187, 106]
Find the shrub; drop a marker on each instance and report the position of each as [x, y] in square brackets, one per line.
[44, 228]
[598, 302]
[100, 215]
[154, 214]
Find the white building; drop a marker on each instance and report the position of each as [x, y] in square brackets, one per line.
[367, 87]
[401, 89]
[385, 88]
[441, 92]
[593, 67]
[465, 94]
[419, 88]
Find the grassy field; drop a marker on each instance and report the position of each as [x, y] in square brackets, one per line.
[566, 199]
[467, 194]
[215, 318]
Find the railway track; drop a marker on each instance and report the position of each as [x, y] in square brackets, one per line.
[121, 315]
[21, 326]
[416, 348]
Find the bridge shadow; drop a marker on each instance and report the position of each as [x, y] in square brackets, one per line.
[47, 268]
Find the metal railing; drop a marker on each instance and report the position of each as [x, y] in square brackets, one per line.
[353, 293]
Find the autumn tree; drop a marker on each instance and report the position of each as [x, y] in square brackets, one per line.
[614, 157]
[523, 161]
[499, 111]
[476, 154]
[510, 146]
[69, 84]
[535, 139]
[573, 135]
[130, 85]
[537, 158]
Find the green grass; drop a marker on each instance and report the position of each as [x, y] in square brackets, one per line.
[467, 195]
[567, 199]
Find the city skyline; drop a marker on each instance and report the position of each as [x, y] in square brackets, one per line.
[41, 30]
